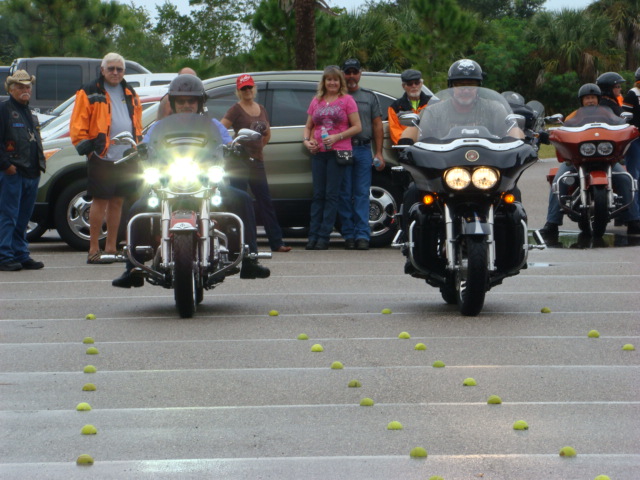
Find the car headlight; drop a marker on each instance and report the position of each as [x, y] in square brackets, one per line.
[484, 178]
[457, 178]
[151, 175]
[216, 174]
[587, 149]
[605, 149]
[183, 171]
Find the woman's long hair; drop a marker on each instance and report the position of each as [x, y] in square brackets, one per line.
[332, 71]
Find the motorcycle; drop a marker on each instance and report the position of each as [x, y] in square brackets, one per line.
[467, 232]
[593, 142]
[184, 169]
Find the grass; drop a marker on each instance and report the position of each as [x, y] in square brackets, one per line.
[547, 151]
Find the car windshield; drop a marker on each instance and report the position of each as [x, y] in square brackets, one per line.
[594, 114]
[466, 112]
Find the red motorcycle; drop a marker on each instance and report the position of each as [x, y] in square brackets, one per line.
[592, 145]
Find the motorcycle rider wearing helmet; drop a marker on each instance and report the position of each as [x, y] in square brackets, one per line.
[610, 84]
[590, 95]
[631, 104]
[187, 95]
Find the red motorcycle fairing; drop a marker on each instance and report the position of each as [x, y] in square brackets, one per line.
[183, 220]
[598, 177]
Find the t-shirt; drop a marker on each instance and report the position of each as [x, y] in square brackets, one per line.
[334, 117]
[368, 109]
[240, 119]
[120, 120]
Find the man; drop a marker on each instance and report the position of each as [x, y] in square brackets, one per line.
[21, 161]
[353, 206]
[104, 108]
[164, 108]
[632, 159]
[187, 96]
[413, 100]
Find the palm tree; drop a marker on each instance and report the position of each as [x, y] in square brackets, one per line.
[624, 16]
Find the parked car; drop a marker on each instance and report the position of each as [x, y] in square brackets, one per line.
[62, 202]
[149, 79]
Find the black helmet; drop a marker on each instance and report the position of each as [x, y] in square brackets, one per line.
[187, 85]
[607, 80]
[464, 69]
[513, 98]
[637, 74]
[589, 89]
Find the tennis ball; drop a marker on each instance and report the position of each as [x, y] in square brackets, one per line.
[438, 364]
[354, 384]
[90, 316]
[85, 459]
[568, 452]
[87, 340]
[386, 311]
[89, 387]
[337, 366]
[602, 477]
[317, 348]
[469, 382]
[420, 346]
[90, 369]
[545, 310]
[89, 430]
[366, 402]
[418, 452]
[593, 334]
[628, 347]
[436, 477]
[494, 400]
[521, 425]
[394, 426]
[404, 335]
[303, 336]
[273, 313]
[92, 351]
[83, 407]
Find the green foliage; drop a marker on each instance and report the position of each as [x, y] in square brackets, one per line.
[559, 93]
[494, 9]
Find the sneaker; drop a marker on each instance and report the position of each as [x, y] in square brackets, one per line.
[362, 244]
[349, 244]
[252, 269]
[10, 267]
[322, 245]
[31, 264]
[633, 227]
[129, 279]
[282, 249]
[311, 245]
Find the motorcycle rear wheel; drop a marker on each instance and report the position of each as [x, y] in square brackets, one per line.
[183, 275]
[471, 278]
[600, 216]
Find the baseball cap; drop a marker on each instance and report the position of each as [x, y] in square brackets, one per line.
[351, 63]
[19, 76]
[410, 74]
[244, 81]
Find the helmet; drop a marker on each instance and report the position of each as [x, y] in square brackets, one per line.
[513, 98]
[589, 89]
[464, 69]
[607, 80]
[637, 74]
[187, 85]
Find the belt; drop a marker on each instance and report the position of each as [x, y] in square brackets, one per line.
[356, 142]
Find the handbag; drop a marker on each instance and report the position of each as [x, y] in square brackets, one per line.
[344, 157]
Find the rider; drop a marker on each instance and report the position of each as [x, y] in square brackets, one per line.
[187, 95]
[610, 84]
[590, 95]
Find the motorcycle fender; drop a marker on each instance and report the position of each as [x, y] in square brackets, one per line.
[598, 177]
[475, 226]
[182, 221]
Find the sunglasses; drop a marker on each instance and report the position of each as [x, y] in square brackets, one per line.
[247, 87]
[413, 83]
[351, 71]
[186, 101]
[115, 69]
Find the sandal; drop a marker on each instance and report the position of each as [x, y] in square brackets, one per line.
[94, 259]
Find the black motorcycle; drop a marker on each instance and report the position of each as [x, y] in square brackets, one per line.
[463, 228]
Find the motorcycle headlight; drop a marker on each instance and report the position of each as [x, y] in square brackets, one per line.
[587, 149]
[605, 149]
[484, 178]
[183, 171]
[215, 174]
[216, 200]
[457, 178]
[151, 175]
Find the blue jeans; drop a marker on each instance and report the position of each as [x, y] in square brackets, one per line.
[327, 180]
[353, 207]
[632, 160]
[17, 199]
[264, 206]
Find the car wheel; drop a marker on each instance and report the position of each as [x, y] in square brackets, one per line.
[72, 216]
[34, 232]
[383, 205]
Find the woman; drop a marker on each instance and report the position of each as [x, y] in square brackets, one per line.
[337, 113]
[249, 114]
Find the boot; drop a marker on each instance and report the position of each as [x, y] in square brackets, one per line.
[252, 269]
[129, 279]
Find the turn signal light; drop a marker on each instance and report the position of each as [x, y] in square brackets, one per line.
[509, 198]
[428, 199]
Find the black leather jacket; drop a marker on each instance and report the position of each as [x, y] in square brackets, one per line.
[20, 141]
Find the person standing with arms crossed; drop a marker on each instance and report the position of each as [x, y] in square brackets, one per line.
[413, 101]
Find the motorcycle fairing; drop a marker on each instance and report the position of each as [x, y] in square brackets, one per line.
[598, 177]
[183, 220]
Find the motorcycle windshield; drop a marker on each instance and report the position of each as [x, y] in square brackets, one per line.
[466, 112]
[594, 114]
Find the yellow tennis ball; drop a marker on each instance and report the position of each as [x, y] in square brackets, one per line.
[521, 425]
[90, 316]
[386, 311]
[436, 477]
[89, 387]
[366, 402]
[494, 400]
[438, 364]
[593, 334]
[354, 384]
[420, 346]
[337, 365]
[404, 335]
[394, 426]
[90, 369]
[545, 310]
[317, 348]
[83, 407]
[87, 340]
[628, 347]
[469, 382]
[89, 430]
[85, 459]
[303, 336]
[418, 452]
[92, 351]
[273, 313]
[602, 477]
[568, 452]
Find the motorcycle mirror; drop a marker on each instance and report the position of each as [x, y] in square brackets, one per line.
[556, 118]
[123, 138]
[628, 116]
[248, 134]
[514, 117]
[409, 119]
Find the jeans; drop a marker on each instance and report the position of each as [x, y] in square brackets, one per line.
[17, 199]
[632, 160]
[264, 206]
[327, 180]
[353, 207]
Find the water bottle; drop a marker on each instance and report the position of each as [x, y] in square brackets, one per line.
[376, 162]
[324, 134]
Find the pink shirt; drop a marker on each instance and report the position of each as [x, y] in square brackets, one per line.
[334, 117]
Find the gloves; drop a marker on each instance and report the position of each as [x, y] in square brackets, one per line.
[405, 141]
[85, 147]
[544, 137]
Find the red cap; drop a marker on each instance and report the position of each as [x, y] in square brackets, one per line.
[244, 81]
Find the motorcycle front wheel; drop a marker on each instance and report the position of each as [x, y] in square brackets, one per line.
[471, 278]
[600, 216]
[183, 276]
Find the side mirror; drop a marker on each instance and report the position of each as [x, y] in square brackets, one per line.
[246, 134]
[124, 138]
[628, 116]
[519, 119]
[557, 118]
[409, 119]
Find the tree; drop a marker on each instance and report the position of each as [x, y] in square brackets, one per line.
[494, 9]
[624, 16]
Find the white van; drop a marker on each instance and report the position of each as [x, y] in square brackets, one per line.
[150, 79]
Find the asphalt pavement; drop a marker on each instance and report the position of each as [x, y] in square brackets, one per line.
[234, 394]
